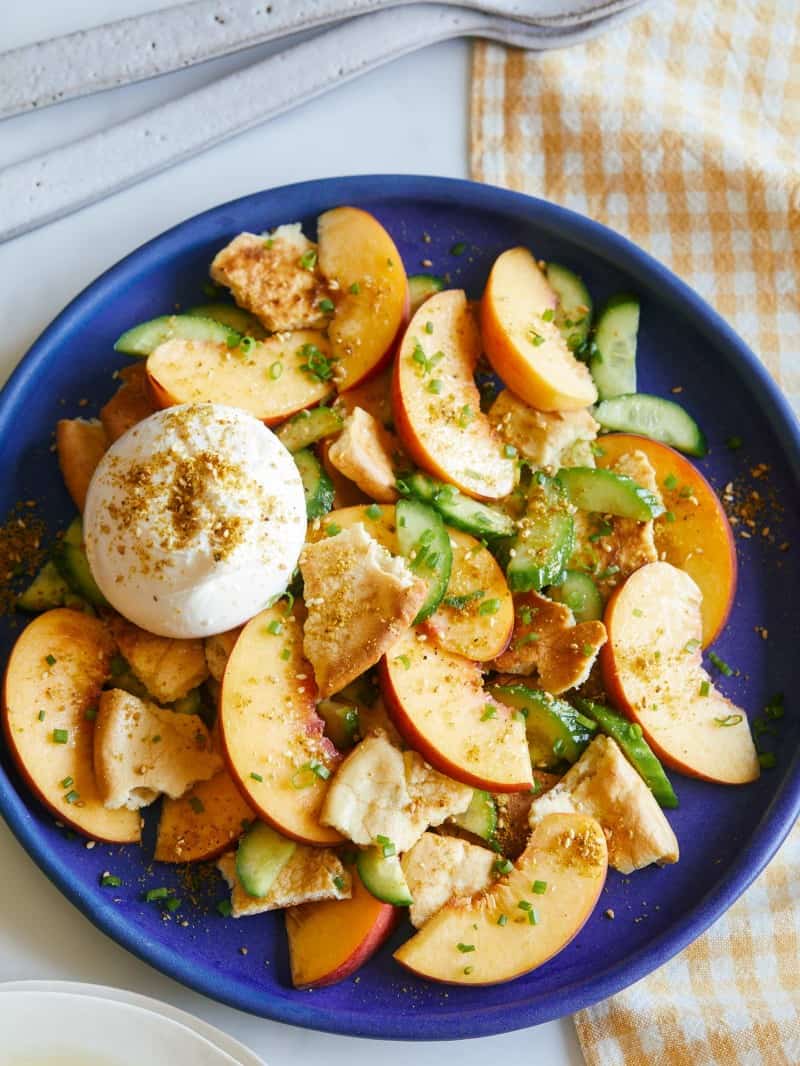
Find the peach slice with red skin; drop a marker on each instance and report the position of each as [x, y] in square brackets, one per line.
[436, 402]
[272, 736]
[694, 534]
[364, 269]
[80, 446]
[202, 823]
[652, 670]
[53, 680]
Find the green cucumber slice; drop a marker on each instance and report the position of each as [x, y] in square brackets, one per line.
[556, 731]
[654, 417]
[635, 748]
[578, 592]
[459, 511]
[260, 857]
[574, 312]
[317, 486]
[235, 318]
[480, 817]
[191, 703]
[425, 543]
[420, 287]
[545, 540]
[47, 590]
[383, 876]
[308, 427]
[613, 361]
[604, 492]
[146, 337]
[70, 559]
[341, 722]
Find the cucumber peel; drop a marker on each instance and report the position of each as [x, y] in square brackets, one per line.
[605, 492]
[653, 417]
[70, 560]
[425, 543]
[145, 338]
[556, 731]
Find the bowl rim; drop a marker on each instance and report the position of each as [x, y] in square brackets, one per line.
[780, 815]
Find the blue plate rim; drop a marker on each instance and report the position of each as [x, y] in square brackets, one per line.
[779, 817]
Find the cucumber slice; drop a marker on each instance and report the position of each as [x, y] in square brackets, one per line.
[604, 492]
[424, 541]
[191, 703]
[317, 486]
[420, 287]
[480, 817]
[146, 337]
[233, 317]
[383, 876]
[578, 592]
[556, 731]
[70, 559]
[459, 511]
[635, 748]
[546, 538]
[654, 417]
[308, 427]
[260, 857]
[574, 312]
[613, 361]
[47, 590]
[341, 722]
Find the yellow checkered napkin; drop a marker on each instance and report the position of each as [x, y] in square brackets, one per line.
[682, 130]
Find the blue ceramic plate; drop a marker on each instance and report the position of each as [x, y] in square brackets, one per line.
[726, 835]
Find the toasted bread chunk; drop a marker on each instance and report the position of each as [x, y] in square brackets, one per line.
[439, 869]
[80, 445]
[130, 403]
[167, 668]
[550, 644]
[364, 452]
[141, 750]
[381, 791]
[544, 438]
[346, 492]
[266, 276]
[311, 874]
[217, 651]
[360, 598]
[604, 784]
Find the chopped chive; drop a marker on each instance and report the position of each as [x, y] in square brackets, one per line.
[489, 607]
[767, 760]
[509, 451]
[51, 660]
[637, 613]
[465, 948]
[691, 645]
[526, 614]
[276, 370]
[404, 660]
[110, 881]
[156, 739]
[247, 344]
[533, 917]
[255, 776]
[535, 338]
[720, 664]
[458, 248]
[154, 894]
[435, 386]
[275, 627]
[355, 289]
[729, 720]
[529, 638]
[286, 654]
[488, 712]
[373, 511]
[686, 492]
[67, 781]
[318, 768]
[597, 449]
[60, 736]
[72, 797]
[268, 243]
[502, 920]
[429, 327]
[308, 260]
[338, 883]
[468, 970]
[548, 314]
[669, 516]
[173, 904]
[332, 529]
[465, 416]
[587, 650]
[775, 707]
[41, 716]
[705, 688]
[539, 887]
[326, 305]
[503, 866]
[670, 481]
[224, 908]
[524, 905]
[196, 804]
[734, 443]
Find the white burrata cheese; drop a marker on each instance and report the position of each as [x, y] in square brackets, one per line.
[194, 520]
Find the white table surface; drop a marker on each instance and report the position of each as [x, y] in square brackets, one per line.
[410, 117]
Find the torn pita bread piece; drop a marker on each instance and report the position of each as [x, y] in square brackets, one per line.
[364, 452]
[544, 438]
[275, 277]
[440, 868]
[360, 599]
[379, 791]
[549, 644]
[603, 783]
[310, 875]
[141, 750]
[168, 669]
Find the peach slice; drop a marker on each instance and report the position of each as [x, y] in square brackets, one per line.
[523, 341]
[694, 534]
[652, 669]
[130, 404]
[476, 617]
[363, 268]
[377, 519]
[512, 928]
[328, 941]
[271, 734]
[436, 402]
[53, 680]
[437, 701]
[203, 822]
[373, 396]
[274, 379]
[80, 446]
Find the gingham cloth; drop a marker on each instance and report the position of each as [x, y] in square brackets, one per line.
[681, 129]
